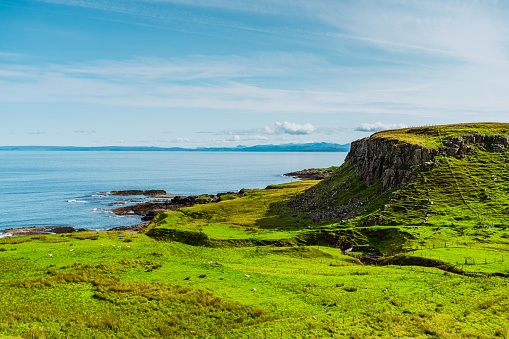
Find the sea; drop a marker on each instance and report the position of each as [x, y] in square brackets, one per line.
[70, 188]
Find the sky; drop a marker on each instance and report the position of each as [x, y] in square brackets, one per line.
[192, 73]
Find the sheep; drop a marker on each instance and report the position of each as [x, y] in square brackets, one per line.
[71, 250]
[254, 289]
[210, 262]
[50, 255]
[247, 276]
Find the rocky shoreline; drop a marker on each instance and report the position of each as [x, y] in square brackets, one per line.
[162, 203]
[311, 173]
[148, 210]
[34, 230]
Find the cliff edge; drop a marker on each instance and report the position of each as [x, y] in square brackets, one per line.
[435, 175]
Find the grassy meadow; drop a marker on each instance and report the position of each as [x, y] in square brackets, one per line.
[260, 265]
[116, 285]
[124, 285]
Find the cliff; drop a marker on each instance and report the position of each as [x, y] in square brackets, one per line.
[388, 161]
[428, 175]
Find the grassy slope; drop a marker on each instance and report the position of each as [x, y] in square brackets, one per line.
[157, 289]
[154, 289]
[432, 136]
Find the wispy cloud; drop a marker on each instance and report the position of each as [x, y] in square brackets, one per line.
[209, 83]
[85, 132]
[378, 126]
[399, 57]
[468, 30]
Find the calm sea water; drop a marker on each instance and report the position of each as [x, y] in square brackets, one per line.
[64, 188]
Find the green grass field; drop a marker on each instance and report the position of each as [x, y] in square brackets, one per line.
[269, 264]
[114, 285]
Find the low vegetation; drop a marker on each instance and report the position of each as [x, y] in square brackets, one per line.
[427, 260]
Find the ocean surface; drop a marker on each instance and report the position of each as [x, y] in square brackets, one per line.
[68, 188]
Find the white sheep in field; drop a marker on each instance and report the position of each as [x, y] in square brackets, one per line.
[50, 255]
[247, 276]
[71, 250]
[254, 289]
[210, 262]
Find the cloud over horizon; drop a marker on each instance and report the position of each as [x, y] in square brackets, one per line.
[378, 126]
[293, 128]
[321, 71]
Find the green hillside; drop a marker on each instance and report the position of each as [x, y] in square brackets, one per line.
[467, 188]
[409, 238]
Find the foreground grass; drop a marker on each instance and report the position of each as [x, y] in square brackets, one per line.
[259, 267]
[131, 286]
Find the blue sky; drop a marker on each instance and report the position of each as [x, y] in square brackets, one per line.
[228, 72]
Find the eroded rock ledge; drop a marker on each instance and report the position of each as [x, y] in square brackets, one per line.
[310, 174]
[387, 160]
[34, 230]
[392, 162]
[148, 193]
[148, 210]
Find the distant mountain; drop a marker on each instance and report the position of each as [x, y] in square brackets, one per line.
[309, 147]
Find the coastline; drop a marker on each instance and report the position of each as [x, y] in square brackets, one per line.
[162, 202]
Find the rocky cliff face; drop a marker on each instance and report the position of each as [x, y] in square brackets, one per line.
[393, 163]
[387, 160]
[377, 165]
[460, 146]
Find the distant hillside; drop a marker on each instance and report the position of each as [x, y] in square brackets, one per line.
[308, 147]
[436, 176]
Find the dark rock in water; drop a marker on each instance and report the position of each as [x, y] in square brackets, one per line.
[148, 210]
[309, 174]
[148, 193]
[34, 230]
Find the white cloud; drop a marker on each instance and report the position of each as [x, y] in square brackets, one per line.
[234, 138]
[293, 128]
[378, 126]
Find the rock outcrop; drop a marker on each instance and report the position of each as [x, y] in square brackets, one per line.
[393, 162]
[148, 193]
[34, 230]
[387, 160]
[309, 174]
[461, 146]
[148, 210]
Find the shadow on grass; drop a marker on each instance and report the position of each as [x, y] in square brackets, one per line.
[280, 217]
